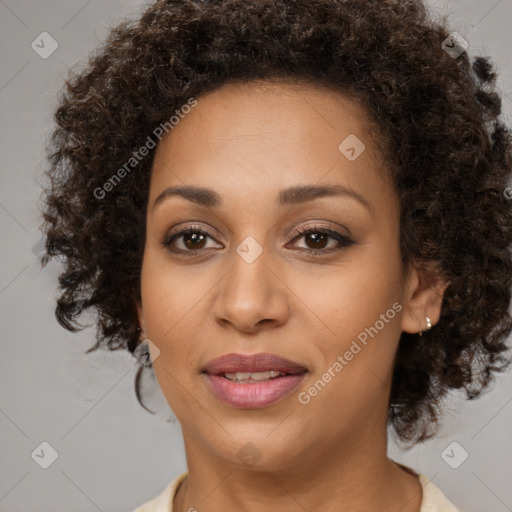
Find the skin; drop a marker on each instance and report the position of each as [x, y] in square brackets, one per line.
[247, 142]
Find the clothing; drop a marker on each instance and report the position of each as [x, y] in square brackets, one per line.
[433, 498]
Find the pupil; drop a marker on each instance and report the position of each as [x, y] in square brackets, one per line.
[318, 238]
[193, 238]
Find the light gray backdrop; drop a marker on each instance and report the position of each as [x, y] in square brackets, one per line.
[111, 454]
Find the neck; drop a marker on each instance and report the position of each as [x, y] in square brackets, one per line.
[354, 476]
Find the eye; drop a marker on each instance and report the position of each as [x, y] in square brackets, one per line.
[317, 239]
[191, 239]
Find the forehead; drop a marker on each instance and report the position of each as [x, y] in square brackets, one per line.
[266, 135]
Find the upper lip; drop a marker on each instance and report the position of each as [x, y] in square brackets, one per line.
[264, 361]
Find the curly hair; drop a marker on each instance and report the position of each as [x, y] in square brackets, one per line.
[441, 136]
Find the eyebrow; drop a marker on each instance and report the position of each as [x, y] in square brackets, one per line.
[208, 198]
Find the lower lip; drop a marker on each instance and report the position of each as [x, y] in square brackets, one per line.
[252, 395]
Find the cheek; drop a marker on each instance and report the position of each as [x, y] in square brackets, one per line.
[172, 297]
[356, 317]
[175, 306]
[169, 300]
[350, 296]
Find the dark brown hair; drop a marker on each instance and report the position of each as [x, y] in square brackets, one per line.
[441, 133]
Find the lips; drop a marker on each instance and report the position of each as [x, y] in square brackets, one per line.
[262, 362]
[250, 393]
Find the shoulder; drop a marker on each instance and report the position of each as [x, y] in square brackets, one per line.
[433, 498]
[163, 502]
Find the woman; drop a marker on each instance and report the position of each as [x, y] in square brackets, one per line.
[300, 209]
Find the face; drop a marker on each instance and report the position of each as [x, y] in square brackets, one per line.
[312, 275]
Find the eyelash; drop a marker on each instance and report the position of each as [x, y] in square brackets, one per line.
[343, 240]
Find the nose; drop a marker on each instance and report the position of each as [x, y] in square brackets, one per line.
[251, 297]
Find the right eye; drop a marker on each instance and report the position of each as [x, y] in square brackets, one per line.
[192, 239]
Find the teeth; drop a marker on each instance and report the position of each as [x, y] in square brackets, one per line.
[244, 377]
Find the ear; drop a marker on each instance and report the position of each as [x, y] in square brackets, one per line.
[423, 296]
[140, 316]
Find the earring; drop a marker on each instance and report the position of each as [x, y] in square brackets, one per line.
[429, 325]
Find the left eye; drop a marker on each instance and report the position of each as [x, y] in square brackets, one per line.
[319, 237]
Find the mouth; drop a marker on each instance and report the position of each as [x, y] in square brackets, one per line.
[252, 381]
[254, 367]
[252, 377]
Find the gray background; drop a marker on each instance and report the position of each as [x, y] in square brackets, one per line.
[113, 455]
